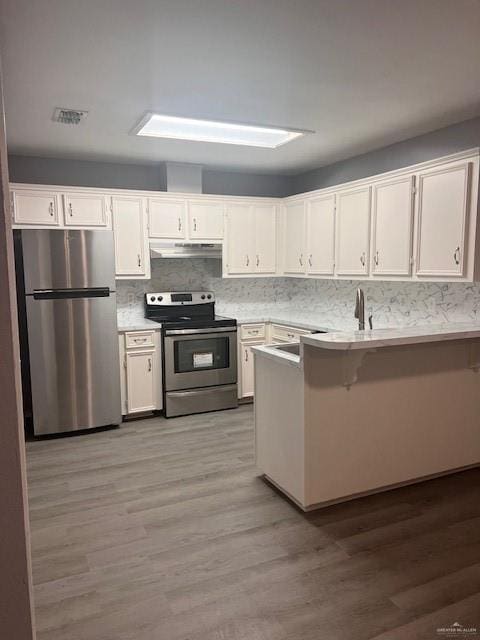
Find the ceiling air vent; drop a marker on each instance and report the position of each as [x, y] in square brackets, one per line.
[69, 116]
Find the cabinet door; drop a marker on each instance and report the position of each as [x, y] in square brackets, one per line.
[392, 227]
[130, 237]
[353, 230]
[294, 238]
[85, 210]
[321, 235]
[240, 231]
[265, 238]
[247, 373]
[166, 218]
[38, 208]
[140, 381]
[442, 220]
[205, 220]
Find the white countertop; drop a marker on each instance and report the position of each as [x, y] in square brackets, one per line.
[139, 325]
[348, 340]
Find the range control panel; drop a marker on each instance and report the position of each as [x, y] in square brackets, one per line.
[173, 298]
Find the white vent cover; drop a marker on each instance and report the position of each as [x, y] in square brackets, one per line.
[69, 116]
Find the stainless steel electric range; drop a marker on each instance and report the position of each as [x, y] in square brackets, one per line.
[199, 352]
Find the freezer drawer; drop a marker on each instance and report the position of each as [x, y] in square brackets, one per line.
[74, 363]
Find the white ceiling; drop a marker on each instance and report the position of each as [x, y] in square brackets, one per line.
[361, 73]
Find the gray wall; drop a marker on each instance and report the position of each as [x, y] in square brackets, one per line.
[246, 184]
[83, 173]
[437, 143]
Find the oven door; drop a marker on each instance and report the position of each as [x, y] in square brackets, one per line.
[200, 357]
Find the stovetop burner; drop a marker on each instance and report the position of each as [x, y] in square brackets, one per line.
[183, 310]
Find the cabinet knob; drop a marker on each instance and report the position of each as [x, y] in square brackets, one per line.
[258, 259]
[50, 208]
[456, 255]
[179, 224]
[376, 259]
[362, 259]
[149, 364]
[246, 355]
[310, 260]
[300, 259]
[247, 261]
[194, 224]
[70, 209]
[139, 260]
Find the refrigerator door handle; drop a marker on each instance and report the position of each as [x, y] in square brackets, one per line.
[65, 294]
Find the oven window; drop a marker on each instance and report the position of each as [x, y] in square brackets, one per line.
[202, 354]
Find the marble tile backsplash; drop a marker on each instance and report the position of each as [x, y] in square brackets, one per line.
[330, 302]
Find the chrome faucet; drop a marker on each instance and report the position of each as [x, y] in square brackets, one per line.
[360, 309]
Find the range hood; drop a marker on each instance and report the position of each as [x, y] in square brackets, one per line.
[159, 249]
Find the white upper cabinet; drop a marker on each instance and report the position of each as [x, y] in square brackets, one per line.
[265, 221]
[392, 218]
[36, 208]
[321, 235]
[240, 247]
[131, 243]
[205, 219]
[443, 199]
[294, 238]
[353, 231]
[85, 210]
[166, 218]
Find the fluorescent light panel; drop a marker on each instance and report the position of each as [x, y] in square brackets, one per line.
[160, 126]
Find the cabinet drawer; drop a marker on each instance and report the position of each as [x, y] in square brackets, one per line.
[134, 339]
[252, 331]
[287, 334]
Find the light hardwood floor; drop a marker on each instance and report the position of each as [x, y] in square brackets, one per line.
[161, 530]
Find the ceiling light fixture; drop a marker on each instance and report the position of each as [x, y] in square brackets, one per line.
[162, 126]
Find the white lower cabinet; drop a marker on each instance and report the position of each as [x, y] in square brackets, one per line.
[131, 243]
[247, 370]
[141, 374]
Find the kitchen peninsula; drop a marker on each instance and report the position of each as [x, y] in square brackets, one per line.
[363, 411]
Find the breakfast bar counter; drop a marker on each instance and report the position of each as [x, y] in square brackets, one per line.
[361, 412]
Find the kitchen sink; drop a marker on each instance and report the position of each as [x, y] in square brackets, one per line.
[293, 348]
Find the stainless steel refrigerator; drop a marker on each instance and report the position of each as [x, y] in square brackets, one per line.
[69, 284]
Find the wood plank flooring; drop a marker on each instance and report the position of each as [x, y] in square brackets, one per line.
[161, 530]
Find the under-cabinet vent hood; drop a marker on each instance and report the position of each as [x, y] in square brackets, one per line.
[184, 250]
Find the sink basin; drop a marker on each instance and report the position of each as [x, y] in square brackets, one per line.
[293, 348]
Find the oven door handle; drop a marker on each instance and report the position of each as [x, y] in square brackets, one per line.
[190, 332]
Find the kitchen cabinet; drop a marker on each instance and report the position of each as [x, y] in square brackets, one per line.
[166, 218]
[443, 200]
[294, 238]
[353, 231]
[321, 235]
[265, 232]
[205, 219]
[250, 239]
[392, 219]
[131, 243]
[140, 381]
[35, 208]
[86, 210]
[141, 371]
[247, 370]
[240, 249]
